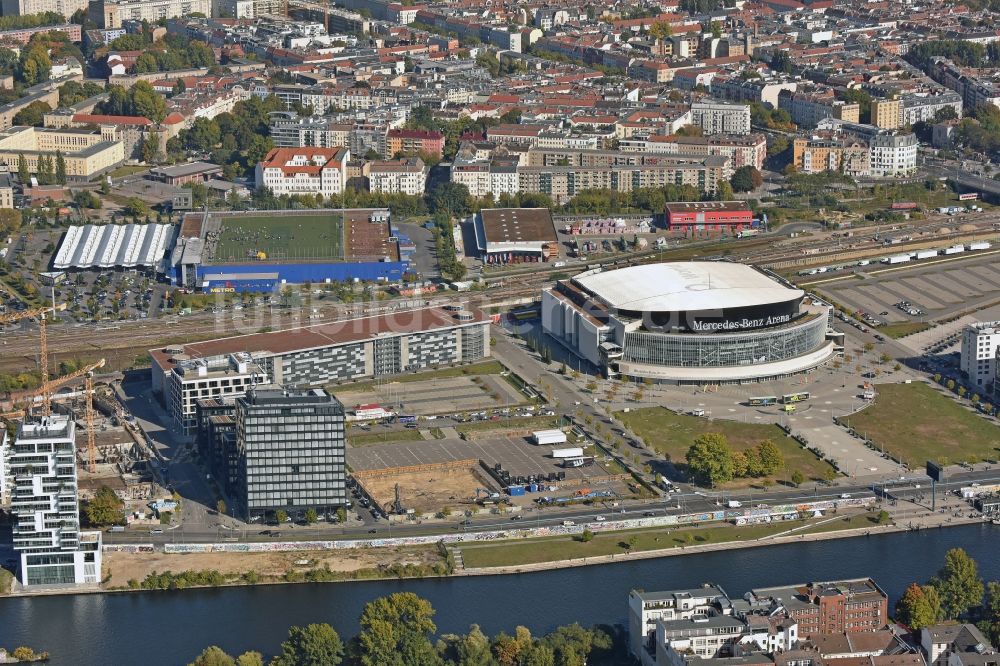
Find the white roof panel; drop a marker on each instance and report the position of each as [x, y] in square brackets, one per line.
[685, 287]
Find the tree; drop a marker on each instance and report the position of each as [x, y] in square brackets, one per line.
[250, 658]
[136, 207]
[213, 656]
[395, 632]
[661, 30]
[586, 536]
[34, 65]
[23, 173]
[797, 478]
[710, 460]
[311, 516]
[769, 455]
[178, 88]
[746, 178]
[313, 645]
[958, 584]
[281, 516]
[44, 171]
[60, 168]
[146, 63]
[32, 114]
[220, 506]
[883, 517]
[450, 198]
[473, 649]
[105, 508]
[723, 190]
[916, 608]
[990, 624]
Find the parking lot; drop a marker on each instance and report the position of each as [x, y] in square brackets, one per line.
[920, 293]
[514, 454]
[444, 395]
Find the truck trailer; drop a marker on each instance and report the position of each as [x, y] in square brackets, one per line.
[544, 437]
[954, 249]
[926, 254]
[897, 259]
[572, 452]
[981, 245]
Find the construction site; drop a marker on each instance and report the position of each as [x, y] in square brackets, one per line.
[113, 451]
[428, 477]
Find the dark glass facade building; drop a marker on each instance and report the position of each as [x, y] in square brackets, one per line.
[290, 452]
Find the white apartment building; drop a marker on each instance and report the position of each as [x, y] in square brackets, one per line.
[406, 176]
[24, 7]
[114, 12]
[217, 377]
[44, 503]
[979, 352]
[320, 171]
[892, 155]
[645, 609]
[721, 118]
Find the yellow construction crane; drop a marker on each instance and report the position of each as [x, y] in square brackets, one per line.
[91, 444]
[51, 387]
[43, 343]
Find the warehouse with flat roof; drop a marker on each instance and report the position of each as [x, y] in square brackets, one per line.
[515, 235]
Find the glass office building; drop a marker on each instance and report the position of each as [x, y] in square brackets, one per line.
[291, 452]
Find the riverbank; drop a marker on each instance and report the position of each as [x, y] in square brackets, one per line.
[244, 569]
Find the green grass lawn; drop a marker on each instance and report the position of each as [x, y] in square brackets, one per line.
[291, 237]
[854, 521]
[357, 437]
[532, 422]
[673, 434]
[127, 170]
[530, 551]
[903, 328]
[916, 423]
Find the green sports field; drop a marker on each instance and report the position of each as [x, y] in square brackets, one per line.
[280, 238]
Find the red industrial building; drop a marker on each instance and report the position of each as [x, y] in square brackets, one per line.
[709, 216]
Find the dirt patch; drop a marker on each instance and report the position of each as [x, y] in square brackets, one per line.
[427, 491]
[126, 566]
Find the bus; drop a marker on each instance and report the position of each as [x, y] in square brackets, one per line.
[794, 397]
[407, 418]
[763, 402]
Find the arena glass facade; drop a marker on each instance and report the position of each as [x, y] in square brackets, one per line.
[644, 345]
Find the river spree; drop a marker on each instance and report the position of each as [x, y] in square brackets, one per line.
[171, 628]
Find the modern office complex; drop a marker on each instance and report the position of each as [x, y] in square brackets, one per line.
[688, 322]
[316, 355]
[290, 448]
[42, 464]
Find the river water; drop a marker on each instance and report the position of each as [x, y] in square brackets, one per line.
[171, 628]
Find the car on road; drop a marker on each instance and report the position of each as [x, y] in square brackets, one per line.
[648, 514]
[264, 533]
[372, 531]
[156, 531]
[515, 517]
[600, 519]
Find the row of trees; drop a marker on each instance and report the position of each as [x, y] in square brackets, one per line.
[170, 53]
[956, 593]
[399, 630]
[711, 460]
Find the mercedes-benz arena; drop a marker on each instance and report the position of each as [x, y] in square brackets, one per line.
[689, 322]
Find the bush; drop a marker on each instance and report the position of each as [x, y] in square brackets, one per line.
[585, 537]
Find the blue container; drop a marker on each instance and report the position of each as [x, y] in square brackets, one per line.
[532, 487]
[515, 491]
